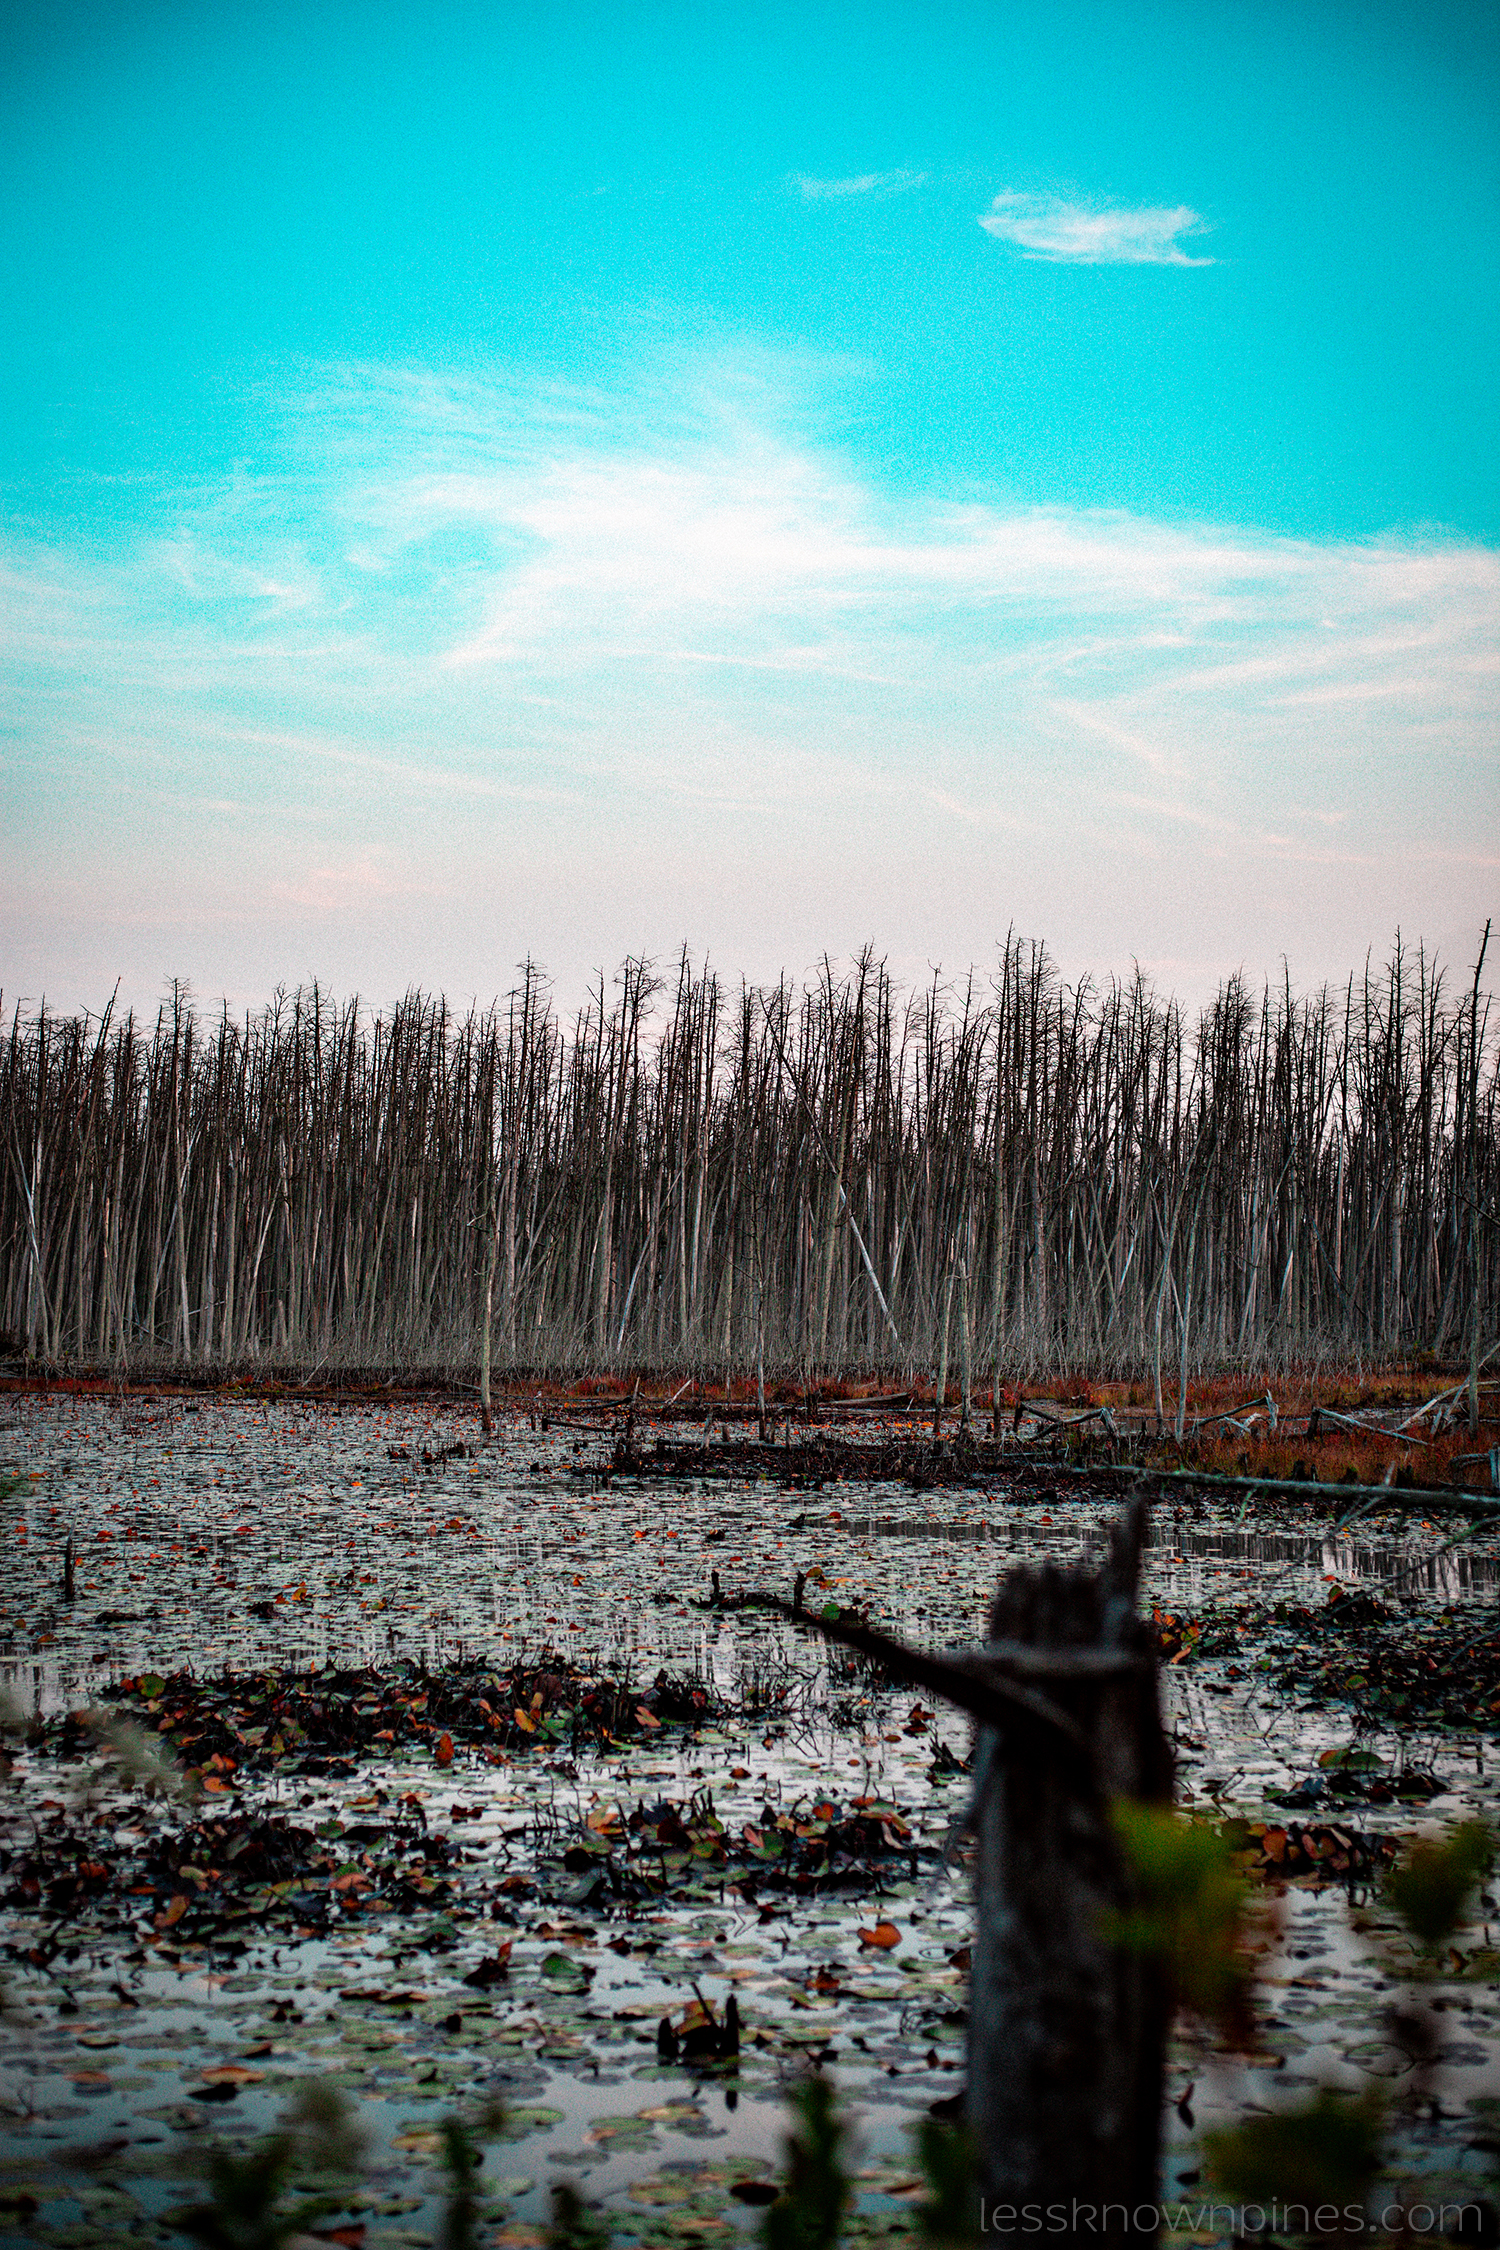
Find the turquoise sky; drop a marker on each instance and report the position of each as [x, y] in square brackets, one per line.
[490, 479]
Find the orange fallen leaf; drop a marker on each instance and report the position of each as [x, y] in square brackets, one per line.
[647, 1718]
[525, 1721]
[884, 1934]
[490, 1971]
[176, 1908]
[232, 2074]
[444, 1750]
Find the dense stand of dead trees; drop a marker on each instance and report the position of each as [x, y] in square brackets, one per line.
[690, 1175]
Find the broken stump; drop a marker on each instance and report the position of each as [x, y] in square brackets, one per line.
[1067, 2029]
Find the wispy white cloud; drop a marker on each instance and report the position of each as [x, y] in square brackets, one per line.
[864, 183]
[1081, 234]
[650, 653]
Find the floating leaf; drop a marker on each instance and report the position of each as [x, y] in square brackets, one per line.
[494, 1968]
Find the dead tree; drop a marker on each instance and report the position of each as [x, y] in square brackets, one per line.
[1067, 2028]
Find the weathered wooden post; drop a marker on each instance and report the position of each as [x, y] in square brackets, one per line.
[1067, 2029]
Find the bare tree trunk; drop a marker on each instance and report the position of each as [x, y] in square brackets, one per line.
[942, 1373]
[966, 1388]
[486, 1418]
[760, 1349]
[1473, 1385]
[1067, 2030]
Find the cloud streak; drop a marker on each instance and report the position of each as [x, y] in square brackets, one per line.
[625, 665]
[898, 182]
[1078, 234]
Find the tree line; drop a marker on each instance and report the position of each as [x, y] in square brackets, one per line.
[813, 1177]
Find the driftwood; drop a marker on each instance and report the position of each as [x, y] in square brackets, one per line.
[806, 1461]
[1067, 2030]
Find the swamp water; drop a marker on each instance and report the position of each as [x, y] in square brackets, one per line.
[216, 1536]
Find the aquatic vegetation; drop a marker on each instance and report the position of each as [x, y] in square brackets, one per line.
[1392, 1660]
[462, 2153]
[248, 2205]
[948, 2215]
[1323, 2152]
[1292, 1851]
[809, 2212]
[1188, 1911]
[574, 2225]
[1434, 1884]
[218, 1728]
[387, 1892]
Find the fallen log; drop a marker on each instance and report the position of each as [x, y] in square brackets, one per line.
[974, 1462]
[1435, 1499]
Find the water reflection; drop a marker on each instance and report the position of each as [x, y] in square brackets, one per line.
[350, 1560]
[1452, 1572]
